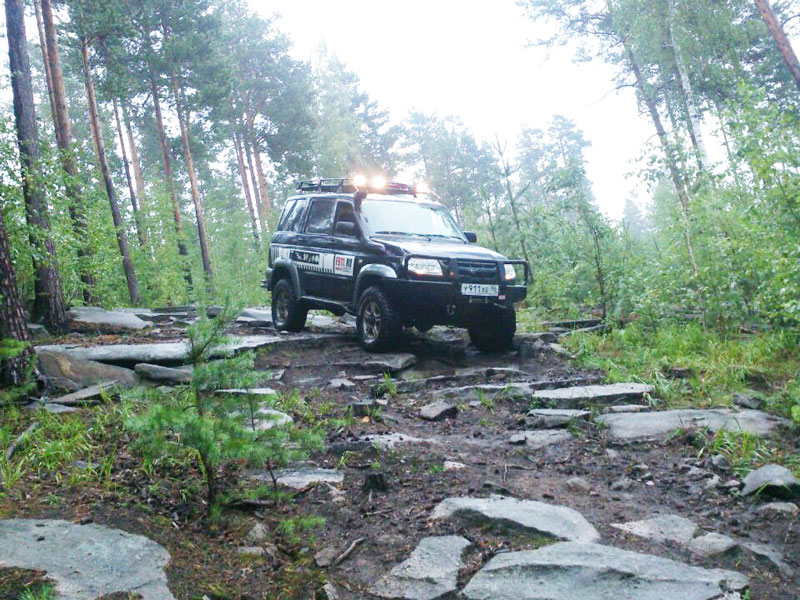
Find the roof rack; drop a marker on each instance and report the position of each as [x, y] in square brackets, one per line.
[343, 185]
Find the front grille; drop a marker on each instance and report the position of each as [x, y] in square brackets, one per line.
[477, 270]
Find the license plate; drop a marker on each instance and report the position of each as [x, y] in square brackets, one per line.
[479, 289]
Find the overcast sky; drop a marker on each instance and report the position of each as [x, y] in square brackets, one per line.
[468, 59]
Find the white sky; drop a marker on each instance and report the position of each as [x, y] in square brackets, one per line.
[468, 59]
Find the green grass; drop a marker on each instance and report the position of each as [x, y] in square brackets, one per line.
[720, 365]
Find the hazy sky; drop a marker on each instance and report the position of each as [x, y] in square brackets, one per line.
[468, 59]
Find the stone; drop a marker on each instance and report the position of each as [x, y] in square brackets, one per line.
[326, 556]
[438, 411]
[540, 438]
[578, 484]
[748, 401]
[245, 392]
[548, 418]
[711, 544]
[770, 553]
[37, 331]
[86, 561]
[545, 336]
[330, 591]
[626, 408]
[621, 485]
[363, 408]
[772, 480]
[251, 551]
[299, 479]
[90, 395]
[788, 509]
[340, 383]
[452, 465]
[268, 418]
[52, 408]
[176, 353]
[492, 391]
[104, 321]
[664, 528]
[721, 462]
[387, 441]
[257, 534]
[660, 424]
[581, 571]
[530, 516]
[430, 572]
[72, 374]
[580, 396]
[388, 363]
[163, 374]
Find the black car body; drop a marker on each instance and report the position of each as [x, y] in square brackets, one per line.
[373, 253]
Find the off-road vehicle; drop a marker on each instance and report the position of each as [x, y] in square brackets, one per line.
[394, 257]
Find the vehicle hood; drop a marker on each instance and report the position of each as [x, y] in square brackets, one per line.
[439, 249]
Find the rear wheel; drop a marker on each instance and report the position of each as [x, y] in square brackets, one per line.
[378, 323]
[287, 313]
[494, 329]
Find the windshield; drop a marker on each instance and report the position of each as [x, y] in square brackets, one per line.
[409, 218]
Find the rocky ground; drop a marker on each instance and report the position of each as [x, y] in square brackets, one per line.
[460, 475]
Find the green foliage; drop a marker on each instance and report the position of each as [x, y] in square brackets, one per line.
[216, 427]
[744, 451]
[293, 529]
[44, 592]
[10, 349]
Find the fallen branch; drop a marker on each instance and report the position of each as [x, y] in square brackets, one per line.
[21, 438]
[343, 556]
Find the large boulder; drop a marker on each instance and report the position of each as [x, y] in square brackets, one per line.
[772, 480]
[430, 572]
[71, 374]
[659, 424]
[585, 395]
[86, 561]
[161, 374]
[104, 321]
[580, 571]
[526, 516]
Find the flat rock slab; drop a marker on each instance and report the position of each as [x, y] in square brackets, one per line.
[772, 480]
[659, 424]
[438, 411]
[86, 561]
[269, 418]
[387, 441]
[530, 516]
[388, 363]
[89, 395]
[548, 418]
[299, 479]
[176, 353]
[583, 395]
[265, 391]
[540, 438]
[430, 572]
[163, 374]
[104, 321]
[72, 374]
[580, 571]
[664, 528]
[492, 391]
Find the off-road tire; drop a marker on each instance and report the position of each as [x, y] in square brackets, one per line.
[287, 313]
[378, 323]
[494, 330]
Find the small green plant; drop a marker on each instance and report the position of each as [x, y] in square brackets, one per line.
[486, 401]
[9, 350]
[293, 528]
[744, 451]
[44, 592]
[388, 386]
[218, 427]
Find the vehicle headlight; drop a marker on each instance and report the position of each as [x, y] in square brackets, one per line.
[425, 266]
[509, 273]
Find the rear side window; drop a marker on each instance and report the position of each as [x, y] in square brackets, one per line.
[320, 217]
[293, 217]
[285, 215]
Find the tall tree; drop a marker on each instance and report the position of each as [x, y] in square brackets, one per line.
[137, 217]
[64, 141]
[49, 305]
[14, 361]
[97, 135]
[781, 39]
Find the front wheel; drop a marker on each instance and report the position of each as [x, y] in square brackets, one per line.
[494, 330]
[378, 324]
[287, 313]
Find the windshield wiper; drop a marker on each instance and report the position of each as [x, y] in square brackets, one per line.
[402, 233]
[442, 235]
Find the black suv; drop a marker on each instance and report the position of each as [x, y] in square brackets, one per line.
[393, 257]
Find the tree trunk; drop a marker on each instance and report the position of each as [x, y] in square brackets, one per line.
[48, 76]
[262, 182]
[167, 166]
[187, 153]
[49, 305]
[262, 217]
[119, 225]
[137, 217]
[677, 181]
[138, 178]
[12, 318]
[64, 140]
[237, 144]
[691, 103]
[781, 40]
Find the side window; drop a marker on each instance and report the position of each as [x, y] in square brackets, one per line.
[294, 219]
[320, 217]
[345, 213]
[287, 210]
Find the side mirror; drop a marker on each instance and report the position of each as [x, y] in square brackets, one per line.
[346, 228]
[471, 236]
